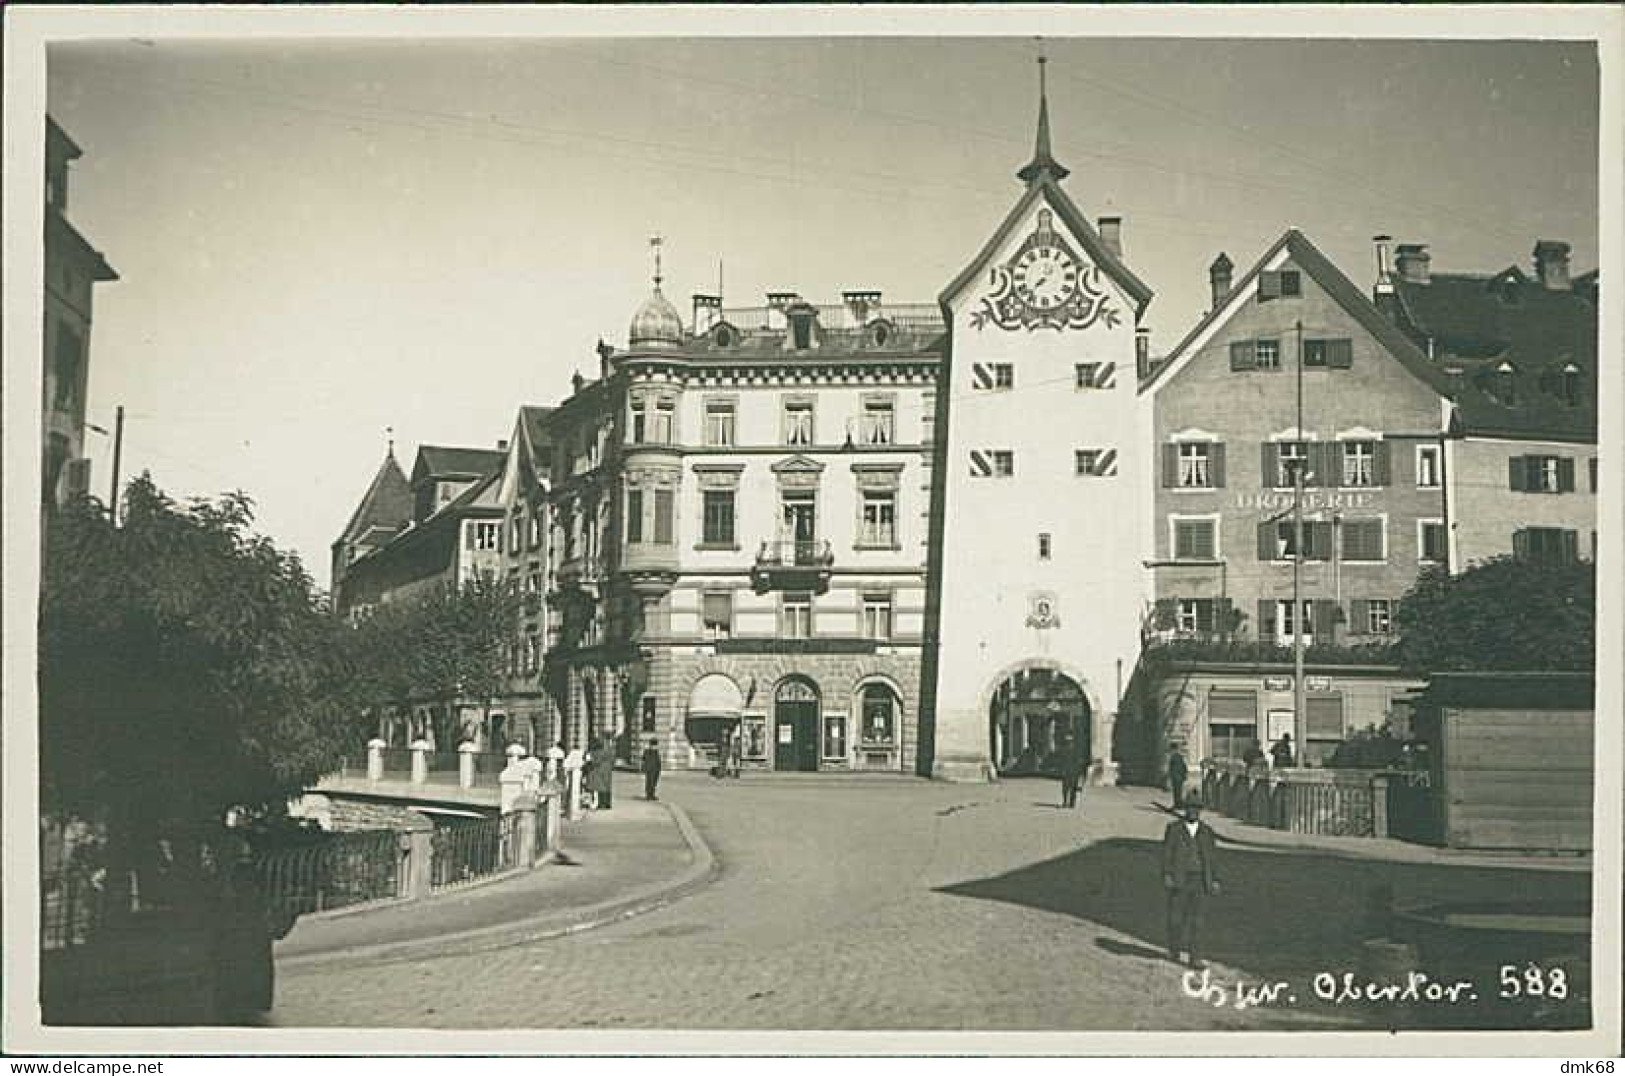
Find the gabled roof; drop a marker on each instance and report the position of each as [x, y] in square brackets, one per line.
[1332, 281]
[1478, 324]
[441, 461]
[1046, 188]
[386, 506]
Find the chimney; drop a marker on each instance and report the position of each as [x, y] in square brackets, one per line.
[1385, 282]
[707, 312]
[1411, 259]
[502, 445]
[1552, 264]
[1111, 233]
[605, 351]
[576, 381]
[1142, 353]
[777, 303]
[1218, 275]
[861, 306]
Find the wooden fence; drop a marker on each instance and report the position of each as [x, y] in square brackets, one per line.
[1331, 803]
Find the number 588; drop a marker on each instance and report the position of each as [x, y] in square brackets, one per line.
[1533, 981]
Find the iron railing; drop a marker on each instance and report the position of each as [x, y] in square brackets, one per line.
[466, 851]
[339, 871]
[795, 553]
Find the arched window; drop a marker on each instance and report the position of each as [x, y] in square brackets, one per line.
[880, 711]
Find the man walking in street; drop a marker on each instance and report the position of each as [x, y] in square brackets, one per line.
[1071, 761]
[1178, 773]
[651, 770]
[1189, 876]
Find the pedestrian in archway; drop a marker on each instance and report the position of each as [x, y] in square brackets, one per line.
[651, 770]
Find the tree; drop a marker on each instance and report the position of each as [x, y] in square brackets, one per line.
[186, 665]
[1502, 614]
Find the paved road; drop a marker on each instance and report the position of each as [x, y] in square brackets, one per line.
[845, 904]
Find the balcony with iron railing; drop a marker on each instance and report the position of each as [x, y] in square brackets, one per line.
[793, 564]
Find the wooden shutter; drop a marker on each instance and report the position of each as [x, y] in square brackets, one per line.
[1520, 544]
[1565, 474]
[1242, 356]
[1224, 615]
[1571, 546]
[1215, 466]
[1323, 717]
[1165, 613]
[1592, 465]
[1339, 354]
[1170, 465]
[1325, 465]
[1269, 286]
[1204, 614]
[1323, 619]
[1317, 540]
[1266, 542]
[1266, 619]
[1269, 464]
[1381, 467]
[1517, 474]
[1232, 707]
[1359, 616]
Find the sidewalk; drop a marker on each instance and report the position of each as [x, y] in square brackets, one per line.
[614, 864]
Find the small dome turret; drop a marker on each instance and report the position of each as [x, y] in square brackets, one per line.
[657, 324]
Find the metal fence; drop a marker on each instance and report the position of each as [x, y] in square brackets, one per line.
[466, 851]
[1322, 802]
[1340, 809]
[339, 871]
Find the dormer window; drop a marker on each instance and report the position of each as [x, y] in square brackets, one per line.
[1571, 384]
[801, 322]
[1506, 383]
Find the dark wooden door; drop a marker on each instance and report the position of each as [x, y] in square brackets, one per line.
[796, 736]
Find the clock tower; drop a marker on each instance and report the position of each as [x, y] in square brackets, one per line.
[1042, 510]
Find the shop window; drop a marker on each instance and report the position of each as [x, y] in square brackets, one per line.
[1232, 722]
[879, 715]
[1324, 722]
[835, 736]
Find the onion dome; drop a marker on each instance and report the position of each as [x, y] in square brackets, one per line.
[657, 323]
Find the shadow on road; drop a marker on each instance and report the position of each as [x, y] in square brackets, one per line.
[1281, 916]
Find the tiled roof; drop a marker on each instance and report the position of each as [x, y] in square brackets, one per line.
[441, 461]
[1478, 324]
[387, 504]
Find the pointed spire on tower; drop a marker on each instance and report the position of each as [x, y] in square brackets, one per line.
[1042, 164]
[654, 245]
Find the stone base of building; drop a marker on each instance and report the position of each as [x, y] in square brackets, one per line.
[1102, 772]
[964, 771]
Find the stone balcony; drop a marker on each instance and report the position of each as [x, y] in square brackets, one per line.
[793, 564]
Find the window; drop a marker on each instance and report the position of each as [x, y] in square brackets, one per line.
[992, 463]
[1195, 471]
[1546, 545]
[1359, 463]
[1232, 722]
[1194, 616]
[1541, 474]
[1363, 539]
[1087, 375]
[640, 421]
[660, 428]
[1431, 548]
[535, 529]
[835, 736]
[1194, 539]
[1314, 353]
[647, 719]
[798, 422]
[634, 515]
[719, 423]
[878, 527]
[1276, 284]
[879, 711]
[877, 619]
[1291, 283]
[1291, 457]
[1087, 461]
[1277, 540]
[718, 523]
[1378, 618]
[516, 534]
[1323, 720]
[663, 517]
[1267, 354]
[878, 426]
[1286, 624]
[487, 535]
[993, 376]
[533, 653]
[1045, 544]
[1506, 383]
[1427, 466]
[795, 616]
[69, 356]
[717, 613]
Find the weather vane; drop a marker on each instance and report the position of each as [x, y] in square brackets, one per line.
[654, 244]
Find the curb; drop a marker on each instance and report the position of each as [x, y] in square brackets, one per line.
[1427, 857]
[648, 898]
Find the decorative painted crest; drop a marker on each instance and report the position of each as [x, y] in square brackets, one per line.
[1045, 286]
[1042, 611]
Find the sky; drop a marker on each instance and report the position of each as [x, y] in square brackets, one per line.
[319, 241]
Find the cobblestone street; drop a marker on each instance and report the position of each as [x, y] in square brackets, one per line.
[852, 904]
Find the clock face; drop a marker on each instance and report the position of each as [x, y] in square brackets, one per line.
[1045, 277]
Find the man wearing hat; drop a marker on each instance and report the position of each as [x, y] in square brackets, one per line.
[1189, 851]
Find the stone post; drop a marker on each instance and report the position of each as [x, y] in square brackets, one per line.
[552, 814]
[524, 830]
[465, 763]
[572, 795]
[420, 761]
[417, 840]
[375, 759]
[512, 782]
[1379, 805]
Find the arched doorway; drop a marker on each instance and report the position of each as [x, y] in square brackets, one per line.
[1035, 713]
[713, 714]
[795, 723]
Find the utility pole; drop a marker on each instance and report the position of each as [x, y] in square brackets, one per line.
[118, 450]
[1300, 720]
